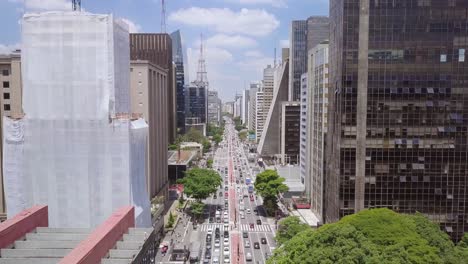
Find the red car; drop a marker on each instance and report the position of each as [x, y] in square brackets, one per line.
[226, 194]
[251, 225]
[251, 198]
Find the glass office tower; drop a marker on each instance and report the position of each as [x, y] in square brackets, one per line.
[398, 109]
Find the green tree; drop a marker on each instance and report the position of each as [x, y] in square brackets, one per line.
[269, 184]
[217, 138]
[209, 163]
[199, 183]
[206, 145]
[197, 208]
[194, 135]
[371, 236]
[170, 220]
[243, 135]
[288, 228]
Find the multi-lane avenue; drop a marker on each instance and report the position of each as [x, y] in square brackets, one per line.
[236, 229]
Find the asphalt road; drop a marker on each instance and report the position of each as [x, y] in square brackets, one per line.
[230, 161]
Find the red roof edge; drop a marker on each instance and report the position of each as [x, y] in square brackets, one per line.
[103, 238]
[22, 223]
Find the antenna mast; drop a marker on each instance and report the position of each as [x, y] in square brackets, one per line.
[202, 78]
[76, 5]
[163, 16]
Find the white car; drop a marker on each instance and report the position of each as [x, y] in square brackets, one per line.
[227, 259]
[226, 241]
[226, 251]
[225, 213]
[248, 211]
[210, 231]
[247, 244]
[242, 216]
[217, 245]
[226, 220]
[226, 227]
[215, 260]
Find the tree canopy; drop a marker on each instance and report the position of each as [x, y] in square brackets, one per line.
[288, 228]
[200, 183]
[269, 184]
[377, 236]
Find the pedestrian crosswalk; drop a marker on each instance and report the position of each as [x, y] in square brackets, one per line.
[206, 227]
[257, 228]
[243, 227]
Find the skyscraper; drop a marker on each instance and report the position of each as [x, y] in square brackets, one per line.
[254, 87]
[178, 56]
[316, 127]
[214, 116]
[157, 48]
[245, 107]
[304, 35]
[397, 133]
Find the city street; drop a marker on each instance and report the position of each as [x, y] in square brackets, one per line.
[251, 234]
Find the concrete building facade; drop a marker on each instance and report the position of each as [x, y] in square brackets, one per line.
[254, 88]
[148, 93]
[264, 99]
[397, 133]
[317, 124]
[157, 48]
[245, 107]
[214, 112]
[304, 143]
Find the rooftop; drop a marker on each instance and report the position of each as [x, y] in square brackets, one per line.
[185, 157]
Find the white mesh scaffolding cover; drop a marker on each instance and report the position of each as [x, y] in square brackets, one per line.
[67, 152]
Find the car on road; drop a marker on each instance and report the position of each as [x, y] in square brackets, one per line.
[263, 240]
[208, 238]
[225, 213]
[259, 222]
[257, 245]
[208, 245]
[226, 227]
[215, 260]
[247, 244]
[252, 226]
[248, 256]
[226, 220]
[226, 251]
[226, 233]
[245, 234]
[220, 194]
[210, 231]
[242, 216]
[208, 254]
[226, 194]
[211, 220]
[227, 259]
[248, 210]
[217, 231]
[226, 188]
[217, 244]
[226, 241]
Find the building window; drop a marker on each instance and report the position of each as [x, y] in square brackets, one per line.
[461, 55]
[6, 107]
[6, 96]
[443, 57]
[5, 72]
[6, 84]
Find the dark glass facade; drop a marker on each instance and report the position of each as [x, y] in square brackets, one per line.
[196, 102]
[398, 109]
[178, 56]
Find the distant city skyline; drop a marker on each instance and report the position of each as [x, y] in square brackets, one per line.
[236, 52]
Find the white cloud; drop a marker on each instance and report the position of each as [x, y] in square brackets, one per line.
[284, 43]
[252, 22]
[255, 64]
[7, 49]
[253, 54]
[132, 26]
[275, 3]
[45, 5]
[229, 41]
[214, 57]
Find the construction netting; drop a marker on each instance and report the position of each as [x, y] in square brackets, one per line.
[72, 151]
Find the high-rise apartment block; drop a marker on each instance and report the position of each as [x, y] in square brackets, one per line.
[397, 134]
[290, 132]
[254, 88]
[245, 107]
[304, 142]
[264, 99]
[178, 55]
[214, 108]
[157, 49]
[148, 90]
[316, 127]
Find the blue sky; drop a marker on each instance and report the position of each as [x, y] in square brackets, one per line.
[239, 35]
